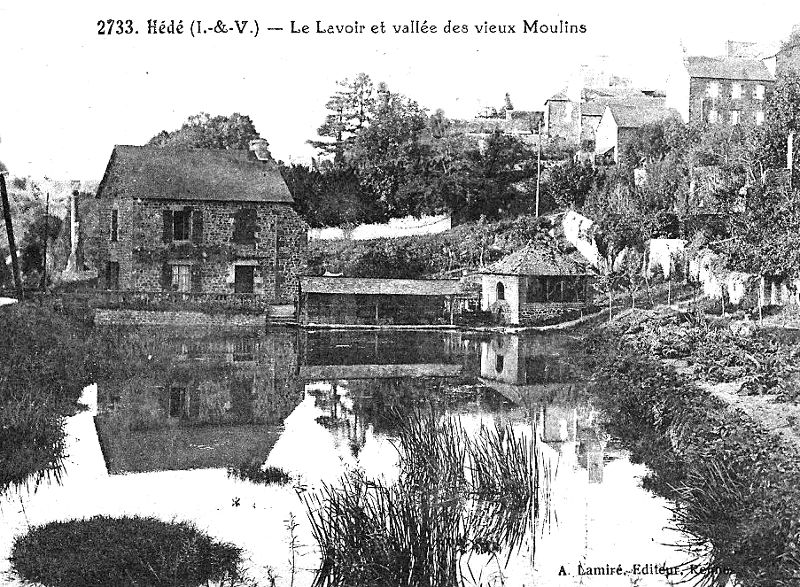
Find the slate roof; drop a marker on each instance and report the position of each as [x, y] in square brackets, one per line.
[639, 114]
[733, 68]
[539, 259]
[225, 175]
[559, 97]
[373, 286]
[594, 108]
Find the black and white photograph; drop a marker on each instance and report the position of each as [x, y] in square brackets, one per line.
[410, 294]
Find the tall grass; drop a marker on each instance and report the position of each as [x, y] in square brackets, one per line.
[44, 365]
[455, 496]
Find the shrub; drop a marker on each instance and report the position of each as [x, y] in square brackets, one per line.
[252, 471]
[124, 551]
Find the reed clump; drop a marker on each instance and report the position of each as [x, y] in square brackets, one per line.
[456, 495]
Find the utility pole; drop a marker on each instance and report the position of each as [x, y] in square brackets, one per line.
[43, 284]
[12, 245]
[538, 168]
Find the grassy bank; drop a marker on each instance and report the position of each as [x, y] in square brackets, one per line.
[736, 485]
[467, 246]
[44, 365]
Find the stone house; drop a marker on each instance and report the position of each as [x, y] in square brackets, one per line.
[536, 285]
[200, 221]
[726, 90]
[619, 125]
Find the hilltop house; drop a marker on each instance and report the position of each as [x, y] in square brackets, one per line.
[199, 221]
[619, 124]
[536, 285]
[728, 90]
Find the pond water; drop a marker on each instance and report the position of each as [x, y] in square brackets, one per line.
[160, 439]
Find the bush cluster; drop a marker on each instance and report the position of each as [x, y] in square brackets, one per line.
[126, 551]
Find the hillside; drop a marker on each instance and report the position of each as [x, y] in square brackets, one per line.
[468, 246]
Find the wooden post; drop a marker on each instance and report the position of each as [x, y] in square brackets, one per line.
[43, 284]
[538, 168]
[12, 245]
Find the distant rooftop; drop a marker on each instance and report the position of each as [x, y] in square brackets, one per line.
[374, 286]
[639, 115]
[732, 68]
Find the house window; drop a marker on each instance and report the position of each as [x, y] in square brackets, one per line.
[177, 399]
[245, 224]
[759, 117]
[181, 278]
[244, 279]
[713, 117]
[181, 224]
[114, 225]
[499, 363]
[112, 275]
[243, 350]
[758, 92]
[734, 117]
[712, 89]
[501, 291]
[736, 91]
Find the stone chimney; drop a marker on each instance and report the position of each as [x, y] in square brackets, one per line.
[75, 260]
[260, 148]
[742, 49]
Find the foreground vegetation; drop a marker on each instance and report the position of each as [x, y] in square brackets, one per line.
[734, 483]
[455, 496]
[127, 551]
[44, 366]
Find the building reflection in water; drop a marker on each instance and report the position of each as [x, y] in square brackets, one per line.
[196, 399]
[187, 399]
[368, 383]
[540, 373]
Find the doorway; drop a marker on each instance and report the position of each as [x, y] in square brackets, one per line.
[243, 279]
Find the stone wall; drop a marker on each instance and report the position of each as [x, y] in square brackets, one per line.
[159, 318]
[540, 313]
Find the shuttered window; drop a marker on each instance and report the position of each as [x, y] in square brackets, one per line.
[181, 278]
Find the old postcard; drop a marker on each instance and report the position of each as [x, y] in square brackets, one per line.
[403, 294]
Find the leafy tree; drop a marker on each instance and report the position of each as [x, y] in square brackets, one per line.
[329, 197]
[568, 184]
[387, 153]
[766, 237]
[33, 243]
[782, 117]
[212, 132]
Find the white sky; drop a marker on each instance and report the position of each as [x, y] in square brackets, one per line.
[69, 95]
